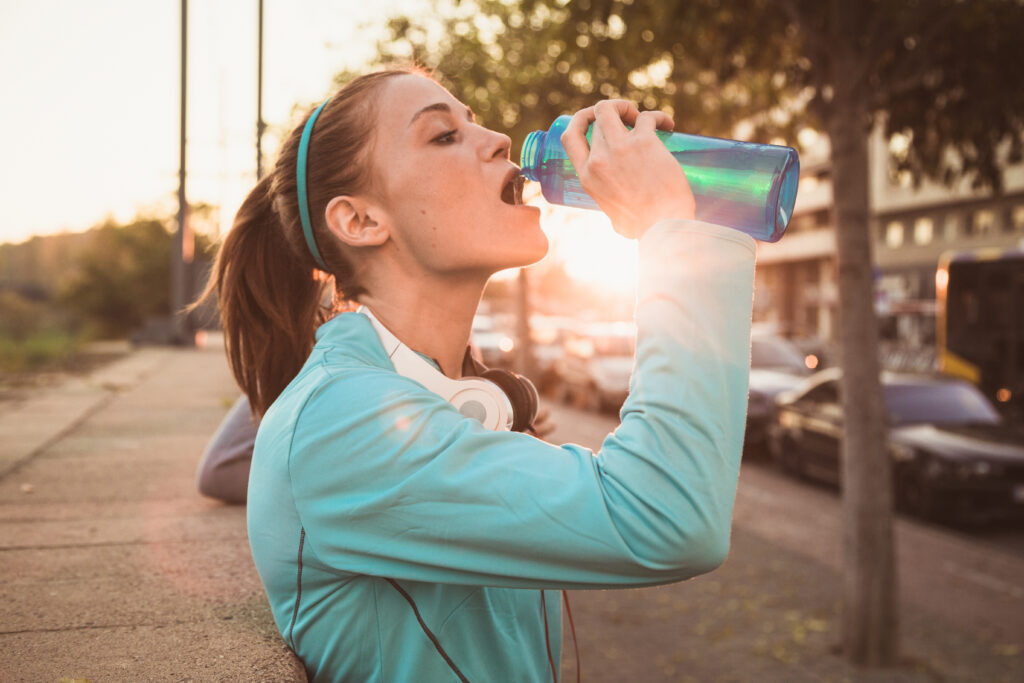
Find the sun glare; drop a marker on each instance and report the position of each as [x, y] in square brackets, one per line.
[592, 251]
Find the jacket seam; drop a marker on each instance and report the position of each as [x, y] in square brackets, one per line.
[298, 592]
[380, 641]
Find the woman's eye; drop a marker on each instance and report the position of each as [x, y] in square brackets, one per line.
[445, 138]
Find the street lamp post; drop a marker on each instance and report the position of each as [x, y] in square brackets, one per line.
[260, 126]
[183, 246]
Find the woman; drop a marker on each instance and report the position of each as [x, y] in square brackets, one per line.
[397, 539]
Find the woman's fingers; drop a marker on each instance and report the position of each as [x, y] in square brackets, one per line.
[612, 117]
[649, 121]
[630, 174]
[574, 139]
[615, 114]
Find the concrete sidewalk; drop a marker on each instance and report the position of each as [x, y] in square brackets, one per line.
[112, 567]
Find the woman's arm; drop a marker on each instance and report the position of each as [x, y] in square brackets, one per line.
[390, 480]
[223, 471]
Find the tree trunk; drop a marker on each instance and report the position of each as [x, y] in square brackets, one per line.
[525, 362]
[870, 611]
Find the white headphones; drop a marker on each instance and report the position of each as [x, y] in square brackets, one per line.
[475, 397]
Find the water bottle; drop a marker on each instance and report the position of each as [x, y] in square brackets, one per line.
[742, 185]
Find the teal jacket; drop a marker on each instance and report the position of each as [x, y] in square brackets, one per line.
[360, 473]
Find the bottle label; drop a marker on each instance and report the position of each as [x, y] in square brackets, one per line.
[574, 194]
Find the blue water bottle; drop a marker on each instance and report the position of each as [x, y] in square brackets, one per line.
[741, 185]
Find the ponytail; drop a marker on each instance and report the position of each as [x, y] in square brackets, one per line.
[270, 302]
[271, 292]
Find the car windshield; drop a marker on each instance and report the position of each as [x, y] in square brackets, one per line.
[938, 403]
[774, 352]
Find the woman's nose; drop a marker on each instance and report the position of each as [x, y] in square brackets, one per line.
[496, 145]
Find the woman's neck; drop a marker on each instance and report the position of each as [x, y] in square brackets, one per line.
[432, 317]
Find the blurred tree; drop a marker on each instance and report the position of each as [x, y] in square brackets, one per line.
[19, 316]
[938, 71]
[123, 276]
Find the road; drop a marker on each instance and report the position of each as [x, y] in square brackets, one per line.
[972, 578]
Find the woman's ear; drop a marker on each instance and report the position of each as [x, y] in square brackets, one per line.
[355, 222]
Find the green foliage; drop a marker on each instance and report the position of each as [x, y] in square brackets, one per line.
[30, 334]
[19, 316]
[123, 277]
[36, 350]
[36, 266]
[941, 71]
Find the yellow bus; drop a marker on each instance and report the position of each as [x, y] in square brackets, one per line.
[980, 322]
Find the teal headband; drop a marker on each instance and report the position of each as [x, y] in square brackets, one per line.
[300, 177]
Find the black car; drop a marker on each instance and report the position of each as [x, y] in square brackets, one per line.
[954, 456]
[776, 365]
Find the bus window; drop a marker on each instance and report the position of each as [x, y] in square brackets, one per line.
[980, 324]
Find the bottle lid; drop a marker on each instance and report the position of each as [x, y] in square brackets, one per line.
[530, 157]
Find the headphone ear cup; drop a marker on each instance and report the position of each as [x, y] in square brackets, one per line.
[521, 394]
[534, 402]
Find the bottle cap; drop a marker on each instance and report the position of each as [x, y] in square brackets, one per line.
[529, 158]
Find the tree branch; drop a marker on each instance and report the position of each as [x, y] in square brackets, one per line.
[816, 44]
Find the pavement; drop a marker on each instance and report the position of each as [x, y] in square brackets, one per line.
[112, 567]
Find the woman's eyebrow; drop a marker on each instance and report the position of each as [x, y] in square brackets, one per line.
[441, 106]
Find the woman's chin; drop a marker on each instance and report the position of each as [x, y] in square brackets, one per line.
[531, 251]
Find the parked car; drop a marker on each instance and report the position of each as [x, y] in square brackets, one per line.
[954, 456]
[776, 365]
[596, 365]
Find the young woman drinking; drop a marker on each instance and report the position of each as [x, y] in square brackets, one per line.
[397, 538]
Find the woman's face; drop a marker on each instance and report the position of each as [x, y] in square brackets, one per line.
[440, 178]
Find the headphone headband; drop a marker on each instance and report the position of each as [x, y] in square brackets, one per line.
[300, 181]
[474, 397]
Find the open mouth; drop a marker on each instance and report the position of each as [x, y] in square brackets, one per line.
[512, 190]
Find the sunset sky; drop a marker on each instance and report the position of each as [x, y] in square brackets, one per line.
[91, 98]
[91, 115]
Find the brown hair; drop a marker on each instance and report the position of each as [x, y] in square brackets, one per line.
[271, 294]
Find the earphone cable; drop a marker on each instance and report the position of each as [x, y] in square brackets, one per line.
[423, 625]
[572, 626]
[547, 638]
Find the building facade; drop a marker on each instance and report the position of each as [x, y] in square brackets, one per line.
[797, 277]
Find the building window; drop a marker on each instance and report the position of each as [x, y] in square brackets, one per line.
[822, 218]
[802, 222]
[983, 223]
[950, 227]
[1017, 218]
[894, 234]
[924, 228]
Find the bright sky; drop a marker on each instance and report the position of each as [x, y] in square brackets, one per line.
[90, 122]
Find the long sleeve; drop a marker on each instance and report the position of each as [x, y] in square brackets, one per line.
[223, 471]
[389, 480]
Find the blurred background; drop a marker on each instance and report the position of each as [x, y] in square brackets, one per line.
[92, 131]
[132, 131]
[132, 135]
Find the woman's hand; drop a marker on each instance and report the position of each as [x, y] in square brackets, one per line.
[630, 173]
